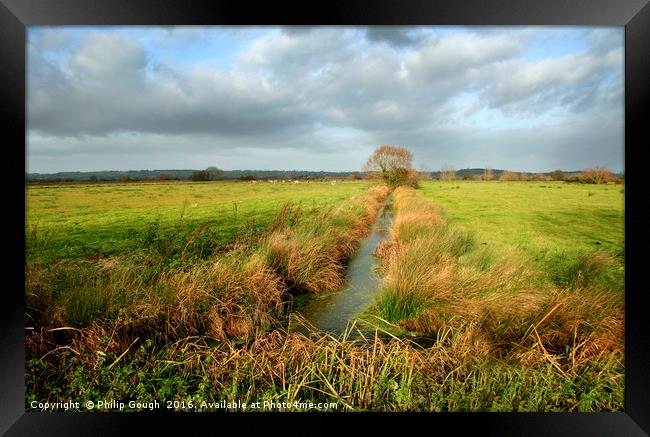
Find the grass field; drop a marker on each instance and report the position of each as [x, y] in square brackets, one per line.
[535, 216]
[525, 307]
[552, 226]
[71, 221]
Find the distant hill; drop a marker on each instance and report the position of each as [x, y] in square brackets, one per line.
[114, 175]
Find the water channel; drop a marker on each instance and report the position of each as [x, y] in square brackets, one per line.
[332, 312]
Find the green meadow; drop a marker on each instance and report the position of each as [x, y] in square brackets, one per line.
[554, 226]
[535, 216]
[84, 220]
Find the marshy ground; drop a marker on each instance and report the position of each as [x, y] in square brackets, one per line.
[182, 292]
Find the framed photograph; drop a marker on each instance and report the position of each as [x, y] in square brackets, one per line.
[414, 210]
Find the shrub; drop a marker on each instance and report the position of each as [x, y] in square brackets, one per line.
[200, 176]
[509, 176]
[541, 177]
[557, 175]
[166, 177]
[353, 176]
[597, 175]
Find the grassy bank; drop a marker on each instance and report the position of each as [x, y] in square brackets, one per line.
[526, 312]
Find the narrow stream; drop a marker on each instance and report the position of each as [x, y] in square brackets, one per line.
[332, 312]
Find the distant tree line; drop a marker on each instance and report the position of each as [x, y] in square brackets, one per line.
[209, 174]
[595, 175]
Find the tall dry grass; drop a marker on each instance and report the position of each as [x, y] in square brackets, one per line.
[311, 256]
[359, 375]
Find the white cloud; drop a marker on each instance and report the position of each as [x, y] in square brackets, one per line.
[516, 80]
[445, 58]
[300, 89]
[111, 59]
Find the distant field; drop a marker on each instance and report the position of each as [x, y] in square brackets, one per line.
[535, 216]
[70, 221]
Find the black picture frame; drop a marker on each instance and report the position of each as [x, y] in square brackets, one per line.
[15, 15]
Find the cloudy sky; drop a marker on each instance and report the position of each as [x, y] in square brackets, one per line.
[322, 98]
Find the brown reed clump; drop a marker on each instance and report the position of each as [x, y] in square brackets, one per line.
[311, 257]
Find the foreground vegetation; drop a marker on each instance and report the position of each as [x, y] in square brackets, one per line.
[515, 329]
[356, 375]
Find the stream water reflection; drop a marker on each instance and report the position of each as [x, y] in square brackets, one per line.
[331, 312]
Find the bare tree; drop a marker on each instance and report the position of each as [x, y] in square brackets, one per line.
[387, 157]
[488, 175]
[425, 171]
[597, 175]
[447, 172]
[509, 176]
[541, 177]
[394, 164]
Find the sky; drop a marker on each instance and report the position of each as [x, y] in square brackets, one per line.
[520, 98]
